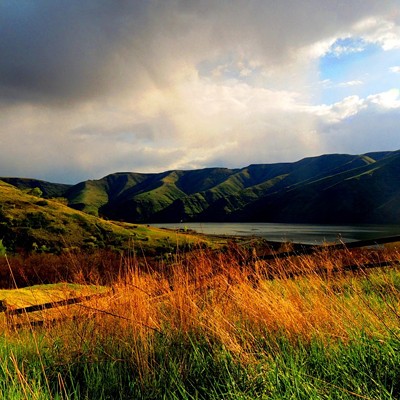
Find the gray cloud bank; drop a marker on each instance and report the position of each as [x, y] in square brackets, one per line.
[92, 87]
[72, 50]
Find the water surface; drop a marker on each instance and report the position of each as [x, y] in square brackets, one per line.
[296, 233]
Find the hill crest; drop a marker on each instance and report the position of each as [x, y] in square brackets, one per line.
[323, 189]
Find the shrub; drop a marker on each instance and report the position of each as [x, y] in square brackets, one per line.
[36, 192]
[2, 249]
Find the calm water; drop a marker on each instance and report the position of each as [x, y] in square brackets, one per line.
[296, 233]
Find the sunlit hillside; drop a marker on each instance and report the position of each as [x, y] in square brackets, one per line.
[29, 223]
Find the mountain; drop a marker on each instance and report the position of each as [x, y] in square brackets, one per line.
[48, 189]
[365, 194]
[34, 224]
[330, 188]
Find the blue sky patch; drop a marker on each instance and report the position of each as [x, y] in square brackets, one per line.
[355, 67]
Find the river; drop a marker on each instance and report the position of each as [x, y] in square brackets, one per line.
[296, 233]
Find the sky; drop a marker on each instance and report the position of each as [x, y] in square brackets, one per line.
[89, 88]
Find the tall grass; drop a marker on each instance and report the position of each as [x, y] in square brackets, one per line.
[220, 326]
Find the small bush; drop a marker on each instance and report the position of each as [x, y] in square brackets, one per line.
[2, 249]
[36, 192]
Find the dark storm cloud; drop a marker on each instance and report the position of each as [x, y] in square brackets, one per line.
[52, 50]
[64, 49]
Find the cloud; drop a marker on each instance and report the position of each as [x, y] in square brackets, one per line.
[90, 88]
[358, 125]
[336, 112]
[384, 32]
[339, 50]
[395, 70]
[370, 130]
[386, 100]
[73, 50]
[198, 124]
[351, 83]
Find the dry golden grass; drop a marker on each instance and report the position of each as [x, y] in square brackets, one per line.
[257, 327]
[237, 300]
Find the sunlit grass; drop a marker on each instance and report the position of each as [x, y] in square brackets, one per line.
[38, 294]
[221, 325]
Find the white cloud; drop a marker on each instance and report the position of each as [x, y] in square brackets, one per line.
[395, 70]
[351, 83]
[386, 100]
[381, 31]
[372, 129]
[353, 105]
[339, 50]
[337, 112]
[360, 125]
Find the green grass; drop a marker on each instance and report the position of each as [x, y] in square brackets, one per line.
[191, 367]
[208, 326]
[90, 198]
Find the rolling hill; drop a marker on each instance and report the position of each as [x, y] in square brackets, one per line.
[330, 188]
[30, 223]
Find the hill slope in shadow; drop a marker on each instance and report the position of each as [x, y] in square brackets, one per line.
[330, 188]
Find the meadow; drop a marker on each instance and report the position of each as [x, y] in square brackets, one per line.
[208, 324]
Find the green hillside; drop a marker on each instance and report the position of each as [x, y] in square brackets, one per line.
[323, 189]
[48, 189]
[367, 194]
[31, 223]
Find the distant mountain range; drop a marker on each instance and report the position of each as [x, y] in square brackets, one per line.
[333, 188]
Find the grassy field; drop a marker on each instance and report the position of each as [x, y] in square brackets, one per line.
[218, 325]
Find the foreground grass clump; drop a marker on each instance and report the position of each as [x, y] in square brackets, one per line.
[221, 326]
